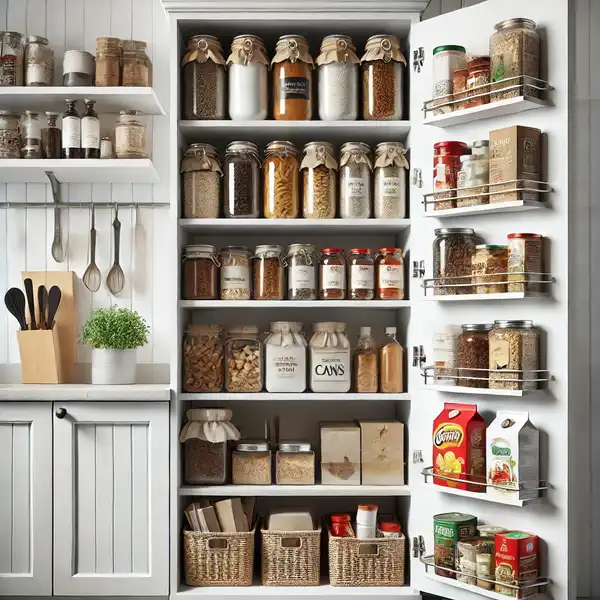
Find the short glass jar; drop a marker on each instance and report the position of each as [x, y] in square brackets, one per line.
[361, 274]
[389, 266]
[202, 174]
[472, 181]
[295, 464]
[490, 268]
[235, 273]
[243, 360]
[251, 463]
[285, 358]
[78, 68]
[137, 68]
[473, 353]
[391, 168]
[130, 135]
[281, 171]
[446, 166]
[302, 262]
[200, 272]
[241, 168]
[319, 181]
[453, 250]
[356, 191]
[31, 135]
[203, 357]
[39, 62]
[10, 136]
[108, 61]
[332, 274]
[11, 63]
[269, 278]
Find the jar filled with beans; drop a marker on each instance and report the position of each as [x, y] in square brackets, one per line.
[473, 353]
[243, 352]
[490, 268]
[269, 279]
[235, 273]
[302, 262]
[203, 369]
[453, 250]
[389, 266]
[361, 274]
[202, 174]
[356, 190]
[242, 181]
[319, 181]
[200, 271]
[332, 274]
[280, 169]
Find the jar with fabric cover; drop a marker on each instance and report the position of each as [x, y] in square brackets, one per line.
[136, 64]
[356, 191]
[251, 463]
[207, 438]
[281, 171]
[391, 168]
[39, 62]
[204, 79]
[319, 181]
[130, 135]
[203, 369]
[247, 68]
[202, 174]
[108, 61]
[10, 136]
[242, 181]
[243, 353]
[269, 279]
[200, 271]
[453, 250]
[285, 358]
[302, 262]
[330, 360]
[472, 180]
[11, 61]
[337, 66]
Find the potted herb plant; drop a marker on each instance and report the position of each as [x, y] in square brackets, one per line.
[114, 334]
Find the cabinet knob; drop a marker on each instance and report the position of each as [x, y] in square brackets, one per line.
[61, 413]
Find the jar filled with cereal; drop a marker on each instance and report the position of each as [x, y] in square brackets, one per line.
[202, 175]
[243, 353]
[319, 181]
[489, 269]
[281, 168]
[235, 273]
[203, 369]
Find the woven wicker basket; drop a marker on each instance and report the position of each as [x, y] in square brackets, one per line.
[354, 562]
[224, 559]
[291, 558]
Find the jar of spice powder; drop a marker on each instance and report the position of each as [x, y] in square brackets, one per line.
[281, 168]
[295, 464]
[269, 280]
[108, 61]
[478, 89]
[332, 274]
[389, 266]
[203, 369]
[302, 262]
[242, 181]
[356, 191]
[251, 463]
[39, 61]
[361, 274]
[10, 136]
[473, 353]
[200, 269]
[391, 168]
[11, 61]
[446, 166]
[202, 174]
[235, 273]
[319, 181]
[490, 268]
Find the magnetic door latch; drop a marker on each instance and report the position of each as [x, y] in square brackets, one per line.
[419, 357]
[418, 59]
[418, 269]
[418, 546]
[417, 178]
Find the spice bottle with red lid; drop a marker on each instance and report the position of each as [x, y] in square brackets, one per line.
[390, 529]
[361, 274]
[389, 267]
[446, 165]
[332, 274]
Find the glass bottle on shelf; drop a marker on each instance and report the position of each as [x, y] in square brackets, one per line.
[39, 62]
[366, 371]
[51, 137]
[71, 135]
[32, 135]
[90, 132]
[10, 135]
[390, 364]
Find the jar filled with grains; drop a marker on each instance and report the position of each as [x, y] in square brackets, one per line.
[78, 68]
[295, 464]
[525, 262]
[330, 360]
[489, 269]
[251, 463]
[453, 250]
[285, 358]
[319, 181]
[478, 88]
[108, 61]
[39, 61]
[459, 88]
[203, 369]
[202, 174]
[391, 168]
[200, 269]
[446, 165]
[472, 181]
[356, 192]
[11, 61]
[366, 371]
[235, 273]
[243, 353]
[269, 280]
[130, 135]
[382, 73]
[338, 79]
[361, 274]
[389, 265]
[332, 274]
[281, 168]
[473, 353]
[10, 136]
[302, 262]
[136, 64]
[204, 79]
[242, 181]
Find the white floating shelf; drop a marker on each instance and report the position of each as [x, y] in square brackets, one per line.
[508, 500]
[85, 392]
[484, 297]
[306, 396]
[496, 207]
[108, 99]
[457, 389]
[296, 490]
[509, 106]
[78, 170]
[366, 304]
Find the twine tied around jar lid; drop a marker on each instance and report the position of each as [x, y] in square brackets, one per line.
[293, 48]
[307, 250]
[202, 48]
[390, 153]
[383, 47]
[210, 425]
[318, 153]
[248, 49]
[201, 157]
[356, 153]
[286, 333]
[329, 333]
[337, 48]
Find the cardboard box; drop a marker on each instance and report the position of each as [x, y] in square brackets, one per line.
[382, 452]
[232, 517]
[340, 454]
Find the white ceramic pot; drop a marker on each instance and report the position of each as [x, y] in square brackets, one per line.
[113, 367]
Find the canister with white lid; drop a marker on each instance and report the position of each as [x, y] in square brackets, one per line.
[78, 68]
[366, 521]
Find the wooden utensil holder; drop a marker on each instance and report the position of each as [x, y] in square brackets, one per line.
[40, 356]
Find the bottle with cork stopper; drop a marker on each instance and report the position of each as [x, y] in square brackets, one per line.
[391, 359]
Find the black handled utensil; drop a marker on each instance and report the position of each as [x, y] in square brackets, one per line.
[29, 291]
[15, 302]
[54, 297]
[42, 304]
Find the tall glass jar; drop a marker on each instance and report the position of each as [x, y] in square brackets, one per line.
[292, 79]
[330, 360]
[338, 79]
[203, 368]
[235, 273]
[382, 68]
[453, 250]
[108, 61]
[130, 135]
[281, 168]
[391, 168]
[285, 358]
[136, 64]
[332, 274]
[389, 267]
[200, 272]
[32, 135]
[319, 181]
[243, 360]
[204, 79]
[302, 262]
[202, 174]
[39, 62]
[242, 181]
[361, 274]
[51, 137]
[11, 61]
[269, 279]
[473, 353]
[10, 136]
[356, 191]
[247, 69]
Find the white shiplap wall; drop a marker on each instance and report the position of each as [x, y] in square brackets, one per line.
[26, 235]
[440, 7]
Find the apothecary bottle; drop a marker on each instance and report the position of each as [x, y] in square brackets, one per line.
[356, 190]
[90, 132]
[382, 68]
[391, 379]
[11, 61]
[285, 358]
[204, 85]
[201, 170]
[51, 137]
[453, 250]
[235, 273]
[269, 278]
[292, 79]
[243, 360]
[10, 136]
[136, 64]
[108, 61]
[319, 181]
[302, 263]
[200, 273]
[242, 179]
[361, 274]
[39, 62]
[71, 131]
[332, 274]
[32, 135]
[203, 368]
[366, 368]
[391, 169]
[247, 72]
[281, 170]
[130, 135]
[473, 353]
[337, 66]
[389, 266]
[330, 361]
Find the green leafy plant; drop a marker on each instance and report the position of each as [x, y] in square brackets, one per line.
[115, 328]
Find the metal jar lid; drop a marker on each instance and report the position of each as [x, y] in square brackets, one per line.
[481, 144]
[268, 249]
[239, 146]
[250, 446]
[477, 327]
[281, 146]
[454, 231]
[295, 447]
[292, 248]
[514, 23]
[235, 250]
[200, 250]
[491, 247]
[36, 39]
[513, 325]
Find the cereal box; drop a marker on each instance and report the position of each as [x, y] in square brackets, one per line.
[517, 562]
[459, 447]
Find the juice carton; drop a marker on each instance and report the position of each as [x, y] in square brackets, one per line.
[517, 562]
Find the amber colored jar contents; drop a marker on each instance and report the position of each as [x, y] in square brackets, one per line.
[361, 274]
[473, 353]
[365, 370]
[332, 274]
[459, 87]
[389, 266]
[200, 273]
[281, 168]
[479, 75]
[108, 61]
[203, 356]
[391, 359]
[269, 280]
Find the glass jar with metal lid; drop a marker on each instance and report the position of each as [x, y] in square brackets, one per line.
[251, 463]
[356, 192]
[361, 274]
[39, 62]
[473, 353]
[332, 274]
[243, 360]
[10, 136]
[11, 61]
[241, 168]
[391, 168]
[453, 250]
[200, 271]
[204, 79]
[319, 181]
[295, 464]
[202, 174]
[203, 368]
[137, 68]
[108, 61]
[235, 273]
[474, 175]
[130, 135]
[490, 268]
[269, 280]
[281, 171]
[513, 355]
[302, 262]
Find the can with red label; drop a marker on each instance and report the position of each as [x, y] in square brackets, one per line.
[446, 165]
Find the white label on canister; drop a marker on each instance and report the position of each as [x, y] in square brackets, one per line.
[235, 278]
[302, 277]
[330, 366]
[285, 368]
[391, 186]
[356, 187]
[333, 277]
[90, 132]
[391, 277]
[71, 132]
[362, 277]
[37, 73]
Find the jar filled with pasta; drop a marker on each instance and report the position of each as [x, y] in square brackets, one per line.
[243, 366]
[235, 273]
[203, 369]
[332, 274]
[242, 181]
[319, 181]
[201, 170]
[391, 168]
[302, 262]
[269, 280]
[281, 169]
[356, 192]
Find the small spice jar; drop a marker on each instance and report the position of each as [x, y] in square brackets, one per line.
[51, 137]
[78, 68]
[319, 181]
[292, 79]
[478, 89]
[243, 353]
[269, 280]
[11, 61]
[366, 371]
[391, 168]
[10, 136]
[242, 181]
[31, 135]
[472, 181]
[295, 464]
[39, 62]
[130, 135]
[332, 274]
[361, 274]
[447, 60]
[389, 529]
[285, 358]
[382, 68]
[247, 69]
[200, 271]
[108, 61]
[235, 273]
[202, 174]
[389, 266]
[330, 360]
[446, 166]
[337, 66]
[356, 192]
[473, 353]
[341, 525]
[204, 79]
[106, 147]
[281, 169]
[251, 463]
[453, 250]
[137, 68]
[524, 262]
[481, 149]
[203, 369]
[489, 269]
[302, 262]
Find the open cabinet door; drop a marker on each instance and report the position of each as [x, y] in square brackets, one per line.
[548, 518]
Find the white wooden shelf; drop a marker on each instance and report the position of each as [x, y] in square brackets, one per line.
[496, 207]
[484, 297]
[296, 490]
[81, 392]
[108, 99]
[457, 389]
[365, 304]
[305, 396]
[508, 500]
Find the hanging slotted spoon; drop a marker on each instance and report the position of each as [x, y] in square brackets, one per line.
[116, 278]
[92, 277]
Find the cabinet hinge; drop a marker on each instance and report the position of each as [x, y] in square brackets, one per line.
[417, 457]
[418, 548]
[419, 357]
[418, 59]
[418, 269]
[417, 178]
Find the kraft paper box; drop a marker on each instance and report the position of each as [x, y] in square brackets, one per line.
[340, 454]
[382, 444]
[232, 517]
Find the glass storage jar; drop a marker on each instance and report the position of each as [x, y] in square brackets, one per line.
[474, 175]
[235, 273]
[361, 274]
[473, 353]
[525, 262]
[453, 250]
[202, 174]
[10, 136]
[130, 135]
[391, 362]
[292, 79]
[51, 137]
[448, 60]
[137, 69]
[382, 68]
[203, 369]
[330, 361]
[459, 88]
[78, 68]
[285, 358]
[204, 84]
[39, 62]
[11, 61]
[446, 165]
[389, 266]
[481, 149]
[478, 89]
[295, 464]
[513, 355]
[490, 268]
[391, 168]
[356, 192]
[247, 70]
[32, 135]
[108, 61]
[319, 181]
[281, 168]
[242, 180]
[332, 274]
[366, 371]
[301, 261]
[251, 463]
[269, 280]
[200, 270]
[243, 353]
[337, 66]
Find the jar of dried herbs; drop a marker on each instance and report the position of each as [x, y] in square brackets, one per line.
[202, 174]
[242, 181]
[285, 358]
[301, 261]
[281, 169]
[243, 353]
[235, 273]
[361, 274]
[391, 168]
[356, 192]
[203, 369]
[473, 353]
[453, 250]
[251, 463]
[319, 181]
[108, 61]
[200, 268]
[332, 274]
[269, 280]
[366, 371]
[10, 136]
[490, 268]
[295, 464]
[39, 61]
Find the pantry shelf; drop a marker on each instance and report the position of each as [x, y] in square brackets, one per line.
[484, 297]
[306, 396]
[366, 304]
[496, 207]
[457, 389]
[296, 490]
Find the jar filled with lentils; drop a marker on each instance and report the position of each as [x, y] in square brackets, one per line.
[108, 61]
[10, 136]
[235, 273]
[490, 268]
[203, 369]
[361, 274]
[202, 174]
[473, 353]
[204, 79]
[269, 279]
[332, 274]
[302, 262]
[391, 168]
[242, 181]
[356, 192]
[200, 270]
[281, 168]
[453, 250]
[382, 68]
[319, 181]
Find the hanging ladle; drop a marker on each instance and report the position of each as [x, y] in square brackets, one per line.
[92, 277]
[116, 278]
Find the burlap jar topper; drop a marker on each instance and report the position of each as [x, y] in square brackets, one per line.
[318, 153]
[337, 48]
[201, 157]
[201, 48]
[247, 50]
[383, 47]
[293, 48]
[356, 153]
[210, 425]
[329, 335]
[390, 154]
[286, 333]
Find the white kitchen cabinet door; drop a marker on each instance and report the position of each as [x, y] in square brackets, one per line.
[111, 499]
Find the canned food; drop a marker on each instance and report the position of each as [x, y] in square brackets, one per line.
[448, 530]
[446, 166]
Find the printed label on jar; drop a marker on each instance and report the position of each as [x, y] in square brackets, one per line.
[333, 277]
[71, 132]
[391, 186]
[362, 277]
[294, 88]
[235, 278]
[500, 354]
[285, 365]
[330, 366]
[356, 188]
[90, 132]
[391, 277]
[302, 277]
